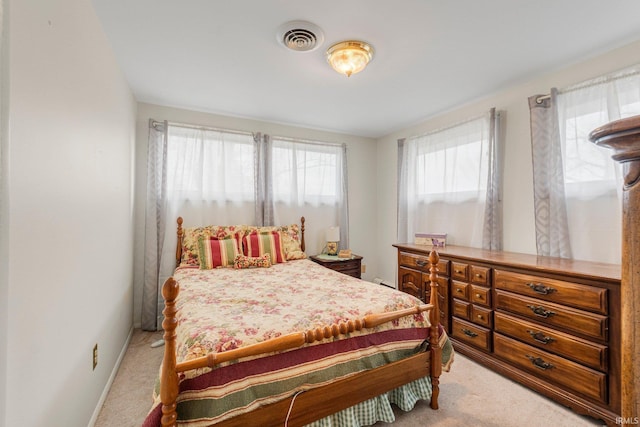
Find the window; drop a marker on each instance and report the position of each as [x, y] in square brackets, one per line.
[309, 177]
[210, 165]
[306, 173]
[581, 109]
[451, 166]
[227, 177]
[592, 179]
[443, 183]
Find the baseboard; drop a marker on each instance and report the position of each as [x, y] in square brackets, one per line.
[112, 377]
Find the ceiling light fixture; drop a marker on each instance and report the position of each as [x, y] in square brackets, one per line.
[349, 57]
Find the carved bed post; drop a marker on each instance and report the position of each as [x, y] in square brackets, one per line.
[434, 339]
[302, 233]
[168, 376]
[180, 234]
[623, 137]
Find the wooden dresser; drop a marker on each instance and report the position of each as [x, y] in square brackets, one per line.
[551, 324]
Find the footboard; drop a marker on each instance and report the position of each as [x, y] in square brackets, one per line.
[324, 400]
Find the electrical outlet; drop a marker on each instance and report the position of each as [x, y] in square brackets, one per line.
[95, 356]
[363, 268]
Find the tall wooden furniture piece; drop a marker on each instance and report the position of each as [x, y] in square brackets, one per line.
[551, 324]
[623, 137]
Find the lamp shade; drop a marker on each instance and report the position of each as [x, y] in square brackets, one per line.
[333, 234]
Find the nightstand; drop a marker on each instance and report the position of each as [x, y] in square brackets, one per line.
[350, 266]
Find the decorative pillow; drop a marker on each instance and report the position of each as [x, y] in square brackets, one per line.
[192, 235]
[290, 240]
[257, 244]
[214, 252]
[243, 261]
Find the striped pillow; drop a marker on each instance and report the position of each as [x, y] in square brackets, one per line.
[214, 252]
[257, 244]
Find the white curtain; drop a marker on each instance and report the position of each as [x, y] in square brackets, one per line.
[205, 176]
[446, 179]
[309, 178]
[592, 180]
[210, 181]
[220, 177]
[551, 223]
[155, 224]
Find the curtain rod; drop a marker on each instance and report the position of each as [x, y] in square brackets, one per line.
[157, 124]
[456, 124]
[541, 98]
[594, 82]
[307, 141]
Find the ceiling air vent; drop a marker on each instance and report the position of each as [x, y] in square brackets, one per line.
[301, 36]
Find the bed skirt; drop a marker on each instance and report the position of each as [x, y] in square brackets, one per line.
[379, 408]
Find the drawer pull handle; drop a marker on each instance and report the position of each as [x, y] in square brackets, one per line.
[541, 289]
[478, 275]
[480, 317]
[479, 296]
[458, 290]
[469, 333]
[458, 271]
[541, 311]
[540, 337]
[421, 263]
[539, 363]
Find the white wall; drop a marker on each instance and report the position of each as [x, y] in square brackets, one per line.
[4, 209]
[519, 225]
[72, 131]
[361, 156]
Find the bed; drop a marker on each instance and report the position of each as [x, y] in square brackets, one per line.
[276, 339]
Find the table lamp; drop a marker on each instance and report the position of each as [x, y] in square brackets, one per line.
[333, 237]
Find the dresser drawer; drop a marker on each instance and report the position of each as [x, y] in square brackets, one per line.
[421, 262]
[480, 295]
[352, 268]
[443, 297]
[481, 316]
[459, 271]
[460, 290]
[573, 294]
[479, 275]
[410, 282]
[442, 286]
[582, 351]
[461, 309]
[472, 334]
[443, 267]
[552, 368]
[593, 325]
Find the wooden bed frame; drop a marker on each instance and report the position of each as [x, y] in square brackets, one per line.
[319, 402]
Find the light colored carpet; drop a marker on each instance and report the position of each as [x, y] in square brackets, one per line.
[470, 395]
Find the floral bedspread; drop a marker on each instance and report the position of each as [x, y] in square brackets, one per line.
[223, 309]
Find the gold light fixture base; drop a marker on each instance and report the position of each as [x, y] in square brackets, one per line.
[349, 57]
